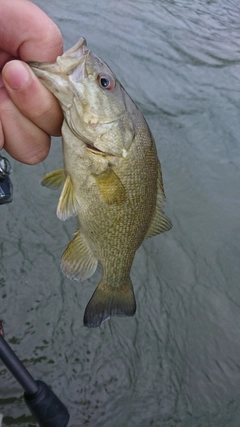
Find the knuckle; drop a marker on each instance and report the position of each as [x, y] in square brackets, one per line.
[43, 109]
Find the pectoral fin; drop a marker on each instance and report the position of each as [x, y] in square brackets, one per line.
[78, 261]
[160, 222]
[110, 187]
[67, 205]
[54, 179]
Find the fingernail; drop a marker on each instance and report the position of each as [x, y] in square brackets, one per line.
[16, 74]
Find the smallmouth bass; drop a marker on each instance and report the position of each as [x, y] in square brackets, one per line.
[111, 178]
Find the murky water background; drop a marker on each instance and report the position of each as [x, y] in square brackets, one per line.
[176, 363]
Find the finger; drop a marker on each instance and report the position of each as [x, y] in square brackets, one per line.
[27, 32]
[1, 137]
[1, 130]
[4, 58]
[31, 145]
[32, 98]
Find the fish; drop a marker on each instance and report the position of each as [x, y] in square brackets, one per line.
[111, 178]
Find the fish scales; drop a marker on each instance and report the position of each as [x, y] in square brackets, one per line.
[111, 178]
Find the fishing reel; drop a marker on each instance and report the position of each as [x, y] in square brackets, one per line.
[6, 188]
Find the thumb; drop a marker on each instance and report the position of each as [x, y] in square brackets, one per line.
[32, 99]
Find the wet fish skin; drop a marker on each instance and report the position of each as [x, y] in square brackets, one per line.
[111, 178]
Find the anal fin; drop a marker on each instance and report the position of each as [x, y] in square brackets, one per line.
[78, 262]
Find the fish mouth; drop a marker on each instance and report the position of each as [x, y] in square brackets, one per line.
[70, 64]
[78, 50]
[96, 150]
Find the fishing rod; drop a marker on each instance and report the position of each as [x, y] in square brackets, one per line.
[44, 405]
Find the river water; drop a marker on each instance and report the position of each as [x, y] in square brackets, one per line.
[176, 363]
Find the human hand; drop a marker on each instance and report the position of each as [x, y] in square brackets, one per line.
[29, 113]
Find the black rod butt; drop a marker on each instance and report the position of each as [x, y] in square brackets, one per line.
[17, 369]
[46, 407]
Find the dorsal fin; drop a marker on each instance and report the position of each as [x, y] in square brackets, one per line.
[67, 205]
[160, 222]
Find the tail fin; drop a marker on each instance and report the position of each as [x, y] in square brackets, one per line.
[109, 301]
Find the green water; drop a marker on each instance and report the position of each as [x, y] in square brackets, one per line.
[176, 363]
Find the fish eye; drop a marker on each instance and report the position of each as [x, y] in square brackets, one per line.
[106, 82]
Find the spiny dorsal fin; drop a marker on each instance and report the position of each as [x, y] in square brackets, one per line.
[110, 187]
[78, 261]
[54, 179]
[109, 300]
[67, 205]
[160, 222]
